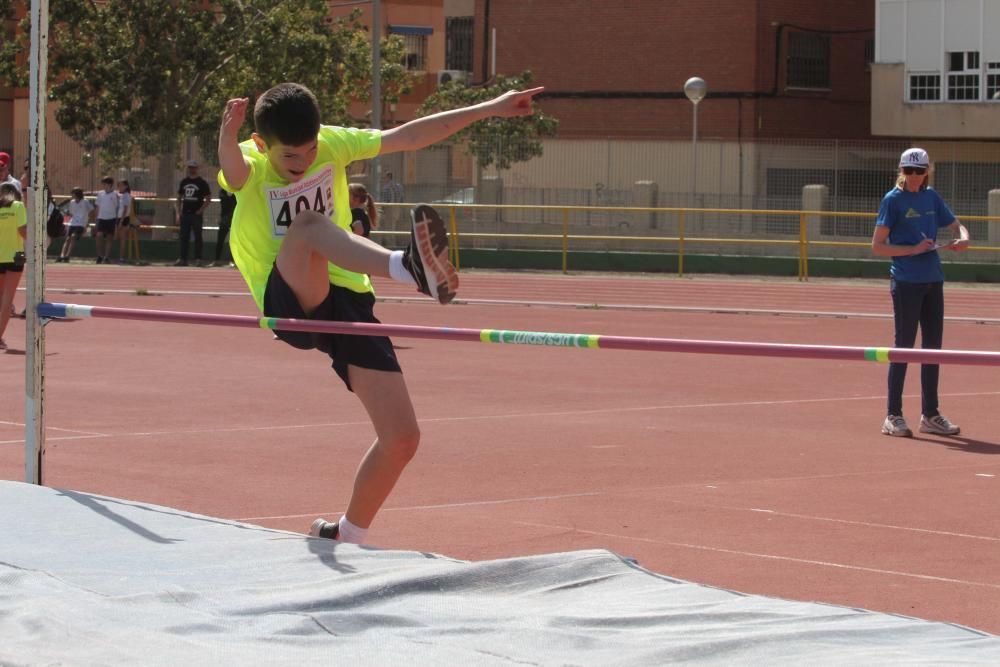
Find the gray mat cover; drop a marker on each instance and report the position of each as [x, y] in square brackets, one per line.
[90, 580]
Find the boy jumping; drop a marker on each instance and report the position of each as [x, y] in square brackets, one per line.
[292, 242]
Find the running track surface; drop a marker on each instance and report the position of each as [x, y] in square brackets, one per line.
[765, 476]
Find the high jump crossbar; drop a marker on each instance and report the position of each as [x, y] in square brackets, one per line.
[542, 338]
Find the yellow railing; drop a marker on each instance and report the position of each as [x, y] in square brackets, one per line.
[805, 219]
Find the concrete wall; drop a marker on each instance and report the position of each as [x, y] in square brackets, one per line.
[893, 116]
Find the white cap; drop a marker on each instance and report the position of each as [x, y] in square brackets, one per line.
[914, 157]
[192, 163]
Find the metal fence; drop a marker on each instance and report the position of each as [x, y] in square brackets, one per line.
[761, 175]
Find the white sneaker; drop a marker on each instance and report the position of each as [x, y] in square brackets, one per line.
[895, 426]
[938, 425]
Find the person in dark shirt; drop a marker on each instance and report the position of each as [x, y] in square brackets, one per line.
[364, 216]
[227, 204]
[193, 196]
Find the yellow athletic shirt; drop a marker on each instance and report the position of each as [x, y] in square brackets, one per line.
[267, 204]
[11, 218]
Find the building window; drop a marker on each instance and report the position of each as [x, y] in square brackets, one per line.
[416, 52]
[808, 60]
[415, 41]
[925, 87]
[993, 82]
[963, 75]
[458, 43]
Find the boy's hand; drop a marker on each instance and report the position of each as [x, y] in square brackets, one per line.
[514, 103]
[234, 167]
[233, 117]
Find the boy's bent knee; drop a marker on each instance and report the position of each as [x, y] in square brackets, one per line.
[402, 445]
[304, 221]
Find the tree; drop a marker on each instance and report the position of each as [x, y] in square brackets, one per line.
[499, 141]
[138, 77]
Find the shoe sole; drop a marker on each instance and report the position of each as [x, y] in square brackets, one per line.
[933, 431]
[904, 434]
[432, 246]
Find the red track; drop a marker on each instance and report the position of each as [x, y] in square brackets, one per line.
[760, 475]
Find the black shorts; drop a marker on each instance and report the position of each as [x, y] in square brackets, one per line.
[11, 267]
[75, 231]
[340, 305]
[107, 226]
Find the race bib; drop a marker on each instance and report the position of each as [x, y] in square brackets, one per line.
[314, 193]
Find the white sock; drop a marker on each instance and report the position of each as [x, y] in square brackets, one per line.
[397, 271]
[348, 532]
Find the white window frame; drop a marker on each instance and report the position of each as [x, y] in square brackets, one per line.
[929, 87]
[965, 80]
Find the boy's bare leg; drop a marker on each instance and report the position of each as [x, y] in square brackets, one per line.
[387, 400]
[311, 242]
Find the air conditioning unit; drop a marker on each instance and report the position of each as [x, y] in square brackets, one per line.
[451, 75]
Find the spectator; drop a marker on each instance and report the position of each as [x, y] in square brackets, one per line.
[909, 218]
[193, 196]
[81, 213]
[106, 202]
[13, 230]
[364, 217]
[55, 225]
[25, 178]
[126, 214]
[5, 175]
[391, 193]
[227, 204]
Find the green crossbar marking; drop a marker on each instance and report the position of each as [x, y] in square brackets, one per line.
[267, 322]
[538, 338]
[878, 354]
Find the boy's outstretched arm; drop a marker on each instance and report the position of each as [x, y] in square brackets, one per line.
[234, 167]
[428, 130]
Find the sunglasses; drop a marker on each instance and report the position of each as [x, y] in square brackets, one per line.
[920, 171]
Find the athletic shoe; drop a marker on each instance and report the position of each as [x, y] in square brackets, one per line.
[938, 425]
[325, 529]
[426, 258]
[895, 425]
[181, 262]
[100, 259]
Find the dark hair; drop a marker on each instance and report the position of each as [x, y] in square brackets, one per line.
[9, 194]
[108, 179]
[77, 192]
[128, 188]
[361, 192]
[288, 113]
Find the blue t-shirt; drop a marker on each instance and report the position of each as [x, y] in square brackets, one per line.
[911, 217]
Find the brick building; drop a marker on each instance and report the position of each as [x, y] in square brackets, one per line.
[774, 68]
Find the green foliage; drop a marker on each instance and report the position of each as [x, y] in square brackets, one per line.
[499, 141]
[137, 77]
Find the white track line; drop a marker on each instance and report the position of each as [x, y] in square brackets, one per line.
[715, 310]
[751, 554]
[515, 415]
[666, 487]
[849, 522]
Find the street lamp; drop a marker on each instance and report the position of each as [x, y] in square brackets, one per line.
[695, 90]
